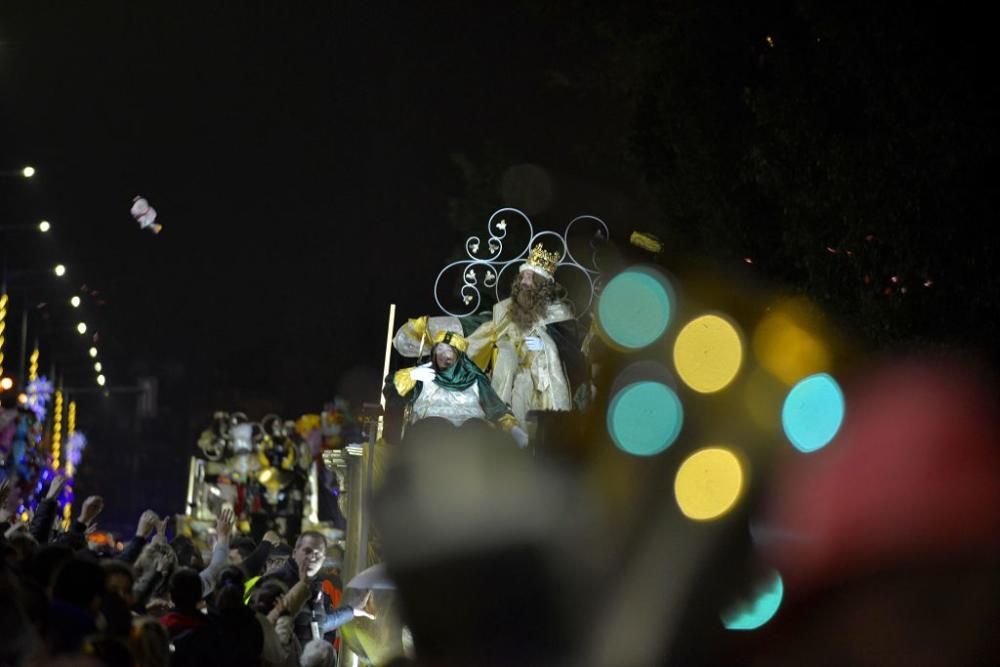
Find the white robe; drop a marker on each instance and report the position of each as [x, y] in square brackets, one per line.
[524, 379]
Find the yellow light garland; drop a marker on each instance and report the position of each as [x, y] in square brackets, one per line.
[57, 430]
[70, 430]
[33, 365]
[3, 325]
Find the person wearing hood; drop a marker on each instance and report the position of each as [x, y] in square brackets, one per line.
[450, 386]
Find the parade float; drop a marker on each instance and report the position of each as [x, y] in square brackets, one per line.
[267, 472]
[467, 292]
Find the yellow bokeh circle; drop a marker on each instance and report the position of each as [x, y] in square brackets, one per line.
[708, 353]
[709, 483]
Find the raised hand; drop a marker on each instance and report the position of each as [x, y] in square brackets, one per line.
[147, 522]
[163, 564]
[4, 494]
[224, 524]
[55, 488]
[424, 373]
[304, 575]
[272, 537]
[280, 606]
[92, 506]
[365, 609]
[161, 528]
[11, 499]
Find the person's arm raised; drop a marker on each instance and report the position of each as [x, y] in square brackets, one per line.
[220, 552]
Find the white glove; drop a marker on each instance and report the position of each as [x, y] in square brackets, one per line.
[520, 436]
[424, 373]
[533, 343]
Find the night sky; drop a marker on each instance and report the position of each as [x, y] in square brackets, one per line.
[312, 162]
[301, 158]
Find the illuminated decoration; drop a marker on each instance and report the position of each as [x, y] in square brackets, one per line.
[708, 353]
[6, 384]
[101, 380]
[57, 415]
[44, 226]
[813, 412]
[635, 308]
[646, 241]
[93, 353]
[3, 325]
[33, 365]
[74, 451]
[98, 367]
[645, 418]
[28, 172]
[75, 302]
[486, 270]
[709, 483]
[39, 392]
[787, 347]
[70, 430]
[81, 328]
[758, 611]
[60, 270]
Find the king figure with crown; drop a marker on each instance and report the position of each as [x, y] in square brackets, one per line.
[531, 343]
[528, 346]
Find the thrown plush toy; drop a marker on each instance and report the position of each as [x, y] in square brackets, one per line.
[145, 215]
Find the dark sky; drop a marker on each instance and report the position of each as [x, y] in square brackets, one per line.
[298, 155]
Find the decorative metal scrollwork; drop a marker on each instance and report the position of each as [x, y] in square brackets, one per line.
[485, 271]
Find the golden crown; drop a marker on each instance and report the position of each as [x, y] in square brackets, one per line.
[542, 259]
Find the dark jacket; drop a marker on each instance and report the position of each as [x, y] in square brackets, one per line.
[231, 639]
[318, 608]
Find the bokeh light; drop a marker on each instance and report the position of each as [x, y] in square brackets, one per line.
[813, 412]
[785, 343]
[28, 172]
[709, 483]
[93, 352]
[708, 353]
[60, 270]
[44, 226]
[645, 418]
[763, 396]
[752, 614]
[635, 308]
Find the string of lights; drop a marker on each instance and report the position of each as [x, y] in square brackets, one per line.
[33, 365]
[71, 431]
[57, 429]
[3, 325]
